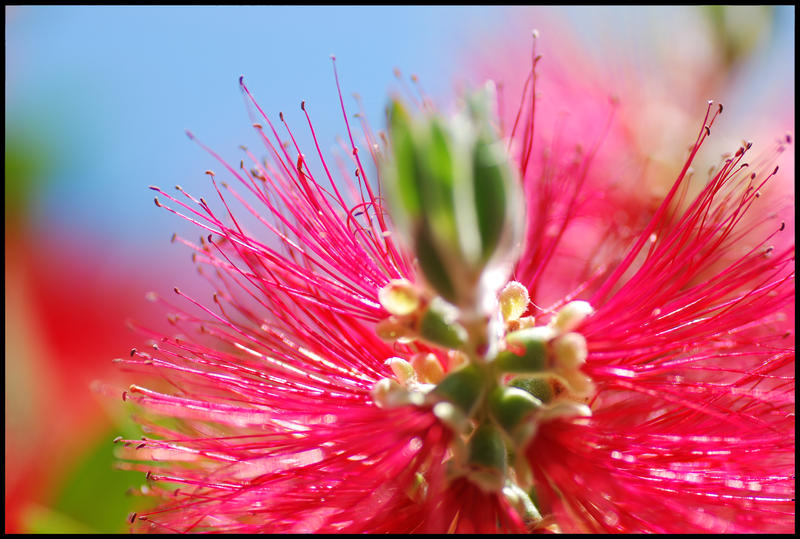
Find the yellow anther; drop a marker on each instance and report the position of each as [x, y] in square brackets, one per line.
[400, 297]
[428, 368]
[513, 301]
[394, 329]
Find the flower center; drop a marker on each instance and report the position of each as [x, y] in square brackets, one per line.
[505, 375]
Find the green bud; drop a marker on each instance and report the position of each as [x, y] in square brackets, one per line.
[463, 388]
[526, 351]
[539, 387]
[394, 329]
[570, 351]
[438, 325]
[487, 460]
[511, 406]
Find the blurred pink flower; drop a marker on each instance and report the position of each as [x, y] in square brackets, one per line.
[53, 359]
[658, 84]
[282, 414]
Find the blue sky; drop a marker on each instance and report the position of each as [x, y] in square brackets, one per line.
[109, 91]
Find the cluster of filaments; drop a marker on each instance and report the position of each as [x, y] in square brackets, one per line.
[493, 398]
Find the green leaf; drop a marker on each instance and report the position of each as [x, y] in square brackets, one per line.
[94, 494]
[491, 179]
[402, 175]
[437, 182]
[39, 519]
[432, 265]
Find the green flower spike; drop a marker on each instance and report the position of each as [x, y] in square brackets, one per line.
[456, 197]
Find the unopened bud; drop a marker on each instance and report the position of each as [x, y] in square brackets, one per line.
[463, 388]
[450, 416]
[520, 500]
[439, 325]
[487, 459]
[580, 385]
[526, 350]
[564, 409]
[455, 358]
[456, 198]
[539, 387]
[512, 408]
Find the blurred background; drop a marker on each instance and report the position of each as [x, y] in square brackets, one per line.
[97, 101]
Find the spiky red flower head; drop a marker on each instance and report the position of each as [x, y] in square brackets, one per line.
[355, 376]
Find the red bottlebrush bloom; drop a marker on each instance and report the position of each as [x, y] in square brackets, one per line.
[358, 372]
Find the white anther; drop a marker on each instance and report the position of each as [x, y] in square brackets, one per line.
[570, 351]
[564, 408]
[571, 316]
[387, 393]
[402, 369]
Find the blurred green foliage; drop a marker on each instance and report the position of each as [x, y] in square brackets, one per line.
[28, 166]
[738, 29]
[93, 498]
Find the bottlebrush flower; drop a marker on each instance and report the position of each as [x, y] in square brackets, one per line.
[351, 376]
